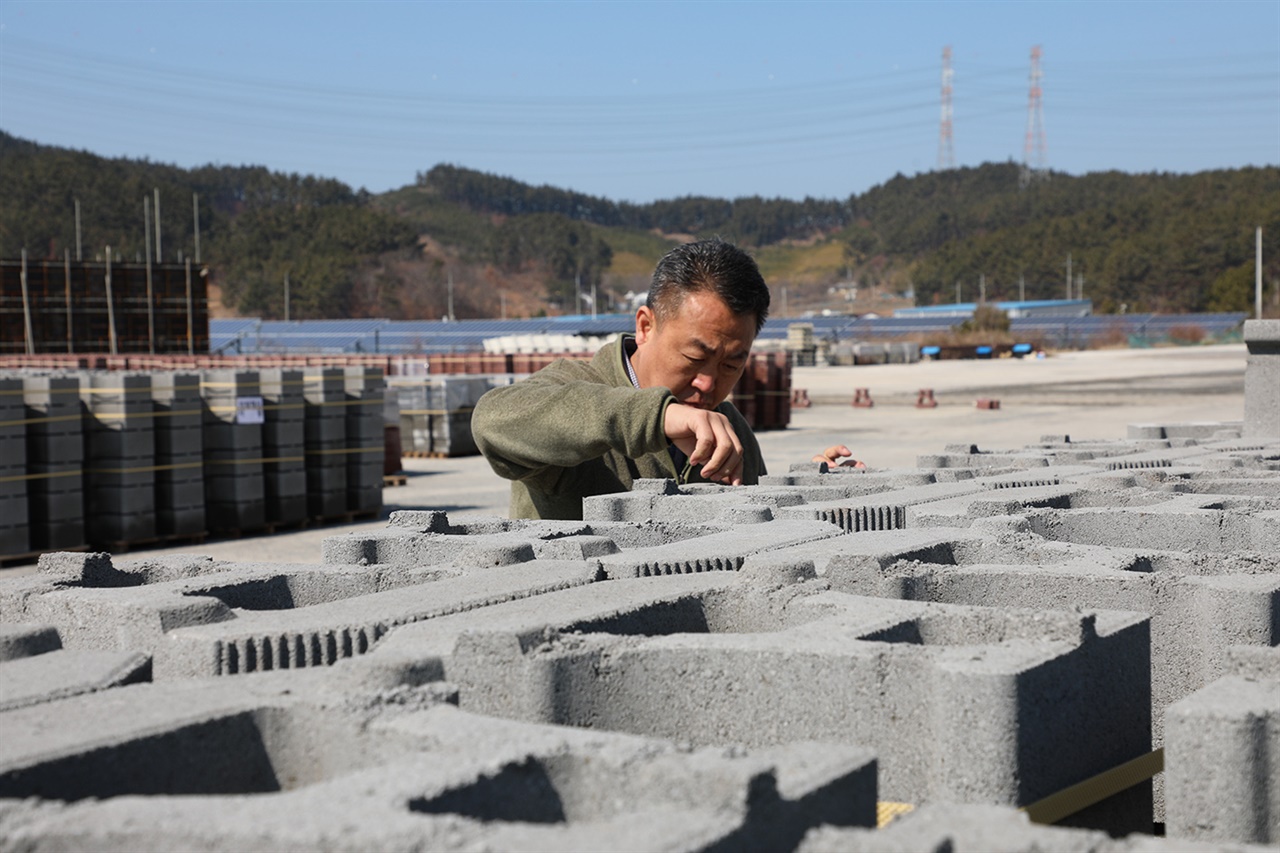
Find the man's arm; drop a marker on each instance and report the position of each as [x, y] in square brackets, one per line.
[832, 456]
[562, 417]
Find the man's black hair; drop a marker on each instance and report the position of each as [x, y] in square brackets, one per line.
[714, 266]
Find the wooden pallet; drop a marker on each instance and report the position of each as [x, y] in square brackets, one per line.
[394, 480]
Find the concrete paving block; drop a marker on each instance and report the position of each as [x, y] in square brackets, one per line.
[683, 657]
[436, 776]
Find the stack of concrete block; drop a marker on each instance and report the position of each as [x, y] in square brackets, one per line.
[435, 411]
[365, 438]
[284, 451]
[120, 457]
[14, 534]
[179, 440]
[324, 392]
[410, 394]
[235, 497]
[55, 462]
[451, 399]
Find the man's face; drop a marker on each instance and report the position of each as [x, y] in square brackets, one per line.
[698, 352]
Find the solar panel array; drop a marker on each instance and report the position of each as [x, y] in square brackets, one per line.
[248, 335]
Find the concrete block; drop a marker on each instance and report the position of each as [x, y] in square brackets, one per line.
[684, 657]
[1262, 379]
[1222, 760]
[510, 786]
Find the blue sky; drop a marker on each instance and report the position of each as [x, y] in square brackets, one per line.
[638, 101]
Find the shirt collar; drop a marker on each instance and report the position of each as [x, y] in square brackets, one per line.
[627, 343]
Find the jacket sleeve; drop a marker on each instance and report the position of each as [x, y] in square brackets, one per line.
[563, 416]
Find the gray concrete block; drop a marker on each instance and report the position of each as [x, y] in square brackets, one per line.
[510, 786]
[1262, 379]
[1222, 760]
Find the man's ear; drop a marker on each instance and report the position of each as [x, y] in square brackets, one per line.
[646, 324]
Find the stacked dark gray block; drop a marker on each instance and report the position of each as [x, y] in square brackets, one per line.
[120, 454]
[326, 435]
[284, 446]
[365, 439]
[235, 496]
[179, 458]
[14, 534]
[55, 462]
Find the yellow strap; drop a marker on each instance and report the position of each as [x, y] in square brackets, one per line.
[120, 416]
[1068, 801]
[146, 468]
[1095, 789]
[887, 811]
[47, 420]
[436, 411]
[255, 461]
[72, 473]
[378, 449]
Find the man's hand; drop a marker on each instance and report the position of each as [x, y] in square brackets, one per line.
[833, 455]
[708, 439]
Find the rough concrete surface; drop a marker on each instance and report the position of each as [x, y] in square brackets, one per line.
[976, 629]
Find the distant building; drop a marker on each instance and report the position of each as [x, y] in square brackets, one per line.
[1015, 309]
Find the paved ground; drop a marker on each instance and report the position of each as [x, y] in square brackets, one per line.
[1085, 395]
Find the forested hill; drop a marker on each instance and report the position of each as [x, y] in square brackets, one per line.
[1159, 242]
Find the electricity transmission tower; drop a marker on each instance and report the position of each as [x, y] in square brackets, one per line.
[1035, 162]
[946, 151]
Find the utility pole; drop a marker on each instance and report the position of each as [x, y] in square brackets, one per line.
[195, 210]
[66, 280]
[151, 314]
[111, 308]
[26, 307]
[982, 288]
[1068, 275]
[1022, 288]
[593, 300]
[957, 292]
[450, 280]
[78, 230]
[1079, 285]
[286, 296]
[159, 253]
[1257, 274]
[191, 338]
[502, 296]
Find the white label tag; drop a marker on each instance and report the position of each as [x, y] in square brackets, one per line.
[249, 410]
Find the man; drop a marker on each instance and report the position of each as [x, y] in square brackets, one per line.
[648, 405]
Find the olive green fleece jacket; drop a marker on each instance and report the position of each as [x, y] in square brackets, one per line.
[576, 429]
